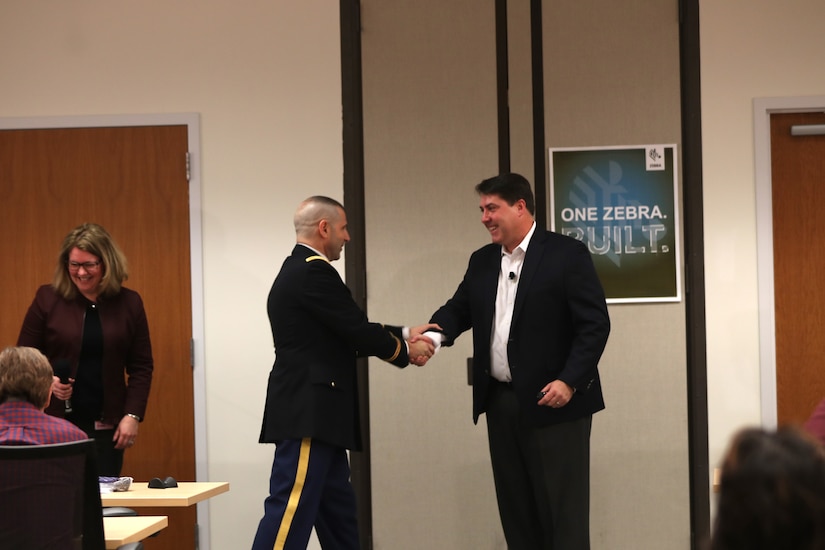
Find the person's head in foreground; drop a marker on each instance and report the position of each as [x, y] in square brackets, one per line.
[772, 492]
[25, 375]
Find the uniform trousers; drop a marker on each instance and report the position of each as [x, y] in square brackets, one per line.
[541, 474]
[309, 486]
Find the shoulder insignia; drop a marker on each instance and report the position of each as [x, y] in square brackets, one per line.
[311, 258]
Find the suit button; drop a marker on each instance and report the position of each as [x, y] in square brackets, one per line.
[332, 384]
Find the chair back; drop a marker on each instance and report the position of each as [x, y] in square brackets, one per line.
[50, 497]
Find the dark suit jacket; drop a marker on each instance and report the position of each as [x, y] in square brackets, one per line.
[54, 325]
[319, 331]
[559, 329]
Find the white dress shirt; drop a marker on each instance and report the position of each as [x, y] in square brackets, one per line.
[508, 279]
[511, 262]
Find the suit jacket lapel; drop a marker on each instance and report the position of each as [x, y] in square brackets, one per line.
[489, 289]
[532, 259]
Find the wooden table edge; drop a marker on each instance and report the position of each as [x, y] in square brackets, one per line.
[163, 497]
[149, 526]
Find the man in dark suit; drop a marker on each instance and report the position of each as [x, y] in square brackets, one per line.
[311, 411]
[540, 324]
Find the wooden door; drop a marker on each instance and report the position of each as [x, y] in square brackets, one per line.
[131, 180]
[798, 195]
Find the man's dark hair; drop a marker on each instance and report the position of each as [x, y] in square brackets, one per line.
[510, 187]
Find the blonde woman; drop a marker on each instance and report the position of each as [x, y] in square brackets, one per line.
[92, 329]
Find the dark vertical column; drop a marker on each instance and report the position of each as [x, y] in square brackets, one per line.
[697, 380]
[539, 147]
[502, 87]
[355, 260]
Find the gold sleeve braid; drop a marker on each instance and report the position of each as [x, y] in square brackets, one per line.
[397, 349]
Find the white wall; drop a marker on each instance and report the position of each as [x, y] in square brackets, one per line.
[265, 77]
[750, 49]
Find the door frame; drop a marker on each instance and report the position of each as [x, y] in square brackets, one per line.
[763, 108]
[192, 122]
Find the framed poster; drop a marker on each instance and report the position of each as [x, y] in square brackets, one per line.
[621, 201]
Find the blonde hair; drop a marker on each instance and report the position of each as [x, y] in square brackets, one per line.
[25, 374]
[91, 238]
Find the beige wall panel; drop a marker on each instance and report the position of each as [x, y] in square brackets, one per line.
[612, 78]
[611, 72]
[520, 92]
[430, 136]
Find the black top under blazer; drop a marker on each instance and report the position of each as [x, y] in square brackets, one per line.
[559, 329]
[319, 331]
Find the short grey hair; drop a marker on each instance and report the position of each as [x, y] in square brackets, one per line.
[25, 374]
[314, 209]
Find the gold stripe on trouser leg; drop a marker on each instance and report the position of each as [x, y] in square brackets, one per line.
[294, 495]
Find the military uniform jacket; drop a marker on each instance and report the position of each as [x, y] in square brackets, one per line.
[319, 332]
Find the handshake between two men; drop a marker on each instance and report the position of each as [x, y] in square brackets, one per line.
[421, 344]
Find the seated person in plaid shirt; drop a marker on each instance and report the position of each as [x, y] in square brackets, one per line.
[25, 391]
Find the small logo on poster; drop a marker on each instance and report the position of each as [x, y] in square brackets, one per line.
[654, 158]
